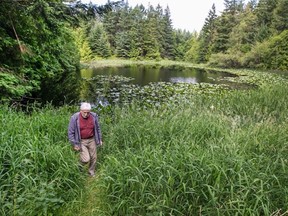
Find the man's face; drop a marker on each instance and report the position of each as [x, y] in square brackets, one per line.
[85, 113]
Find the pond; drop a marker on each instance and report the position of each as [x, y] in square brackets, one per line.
[153, 84]
[143, 75]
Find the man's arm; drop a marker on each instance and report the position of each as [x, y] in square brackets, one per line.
[72, 132]
[98, 129]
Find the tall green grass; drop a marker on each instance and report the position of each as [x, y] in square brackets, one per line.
[208, 155]
[38, 170]
[199, 159]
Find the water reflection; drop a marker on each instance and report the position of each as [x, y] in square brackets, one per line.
[183, 80]
[143, 75]
[113, 84]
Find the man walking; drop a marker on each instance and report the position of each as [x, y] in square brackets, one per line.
[85, 135]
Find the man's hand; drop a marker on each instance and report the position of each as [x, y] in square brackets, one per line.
[76, 148]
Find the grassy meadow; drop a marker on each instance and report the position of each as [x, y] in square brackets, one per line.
[220, 154]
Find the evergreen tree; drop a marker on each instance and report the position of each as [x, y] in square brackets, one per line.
[182, 45]
[243, 35]
[136, 32]
[122, 37]
[122, 44]
[225, 23]
[233, 7]
[110, 24]
[151, 43]
[159, 26]
[280, 16]
[98, 40]
[207, 35]
[168, 45]
[192, 55]
[141, 33]
[223, 29]
[264, 13]
[82, 44]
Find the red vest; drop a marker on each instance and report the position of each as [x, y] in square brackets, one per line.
[86, 127]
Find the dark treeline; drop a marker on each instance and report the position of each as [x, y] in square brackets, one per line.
[134, 33]
[139, 32]
[251, 35]
[42, 42]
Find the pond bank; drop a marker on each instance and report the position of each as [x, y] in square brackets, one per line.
[116, 89]
[249, 76]
[124, 62]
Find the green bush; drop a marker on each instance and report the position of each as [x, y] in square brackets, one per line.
[271, 54]
[226, 60]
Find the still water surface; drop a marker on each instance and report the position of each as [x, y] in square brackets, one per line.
[143, 75]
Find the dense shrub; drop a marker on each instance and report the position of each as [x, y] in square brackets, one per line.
[272, 54]
[226, 60]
